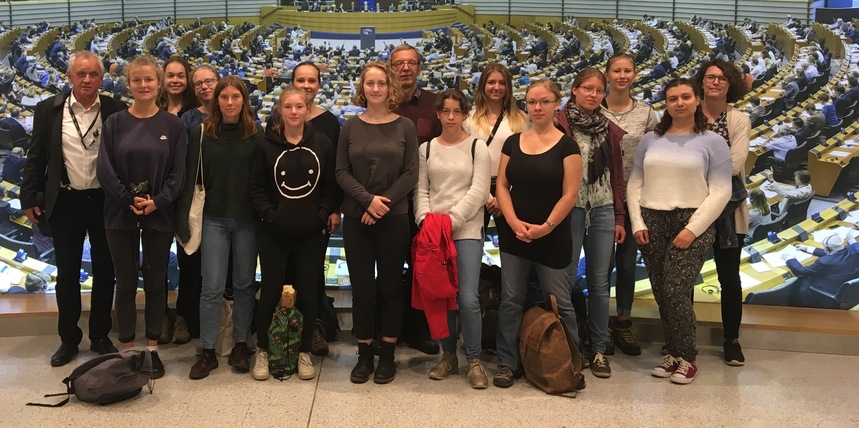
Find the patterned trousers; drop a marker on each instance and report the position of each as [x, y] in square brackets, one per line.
[672, 274]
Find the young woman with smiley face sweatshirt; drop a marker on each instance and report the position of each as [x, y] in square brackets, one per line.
[293, 191]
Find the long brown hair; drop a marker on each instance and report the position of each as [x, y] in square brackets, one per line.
[759, 201]
[213, 122]
[666, 121]
[189, 98]
[516, 118]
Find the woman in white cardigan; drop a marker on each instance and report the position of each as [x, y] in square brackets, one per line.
[721, 82]
[454, 180]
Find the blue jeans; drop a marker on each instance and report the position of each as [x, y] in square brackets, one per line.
[514, 287]
[599, 246]
[469, 253]
[219, 235]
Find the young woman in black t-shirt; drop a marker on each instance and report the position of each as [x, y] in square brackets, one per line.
[537, 187]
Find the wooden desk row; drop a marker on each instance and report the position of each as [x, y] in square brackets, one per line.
[709, 291]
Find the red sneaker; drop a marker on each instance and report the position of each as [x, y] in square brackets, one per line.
[685, 373]
[667, 368]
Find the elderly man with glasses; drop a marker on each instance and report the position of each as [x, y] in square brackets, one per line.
[419, 106]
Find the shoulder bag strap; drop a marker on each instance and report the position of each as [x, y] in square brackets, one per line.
[495, 128]
[199, 175]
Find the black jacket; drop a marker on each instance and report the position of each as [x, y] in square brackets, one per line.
[45, 164]
[293, 187]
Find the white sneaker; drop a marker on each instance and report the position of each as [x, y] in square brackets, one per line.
[260, 371]
[305, 367]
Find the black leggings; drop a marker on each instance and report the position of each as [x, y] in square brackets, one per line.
[305, 255]
[383, 246]
[728, 270]
[124, 252]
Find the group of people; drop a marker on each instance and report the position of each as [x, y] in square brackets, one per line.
[598, 175]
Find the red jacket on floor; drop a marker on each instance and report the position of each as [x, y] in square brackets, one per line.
[436, 281]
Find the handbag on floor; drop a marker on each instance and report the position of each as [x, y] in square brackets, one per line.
[108, 378]
[551, 359]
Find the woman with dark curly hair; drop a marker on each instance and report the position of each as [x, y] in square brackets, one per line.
[680, 183]
[722, 83]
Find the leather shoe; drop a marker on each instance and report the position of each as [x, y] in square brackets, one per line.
[64, 354]
[240, 358]
[103, 346]
[205, 364]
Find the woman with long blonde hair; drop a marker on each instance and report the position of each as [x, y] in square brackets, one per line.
[494, 118]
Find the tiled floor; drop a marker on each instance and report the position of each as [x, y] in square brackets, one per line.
[776, 389]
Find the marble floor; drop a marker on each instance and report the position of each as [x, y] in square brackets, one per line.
[775, 389]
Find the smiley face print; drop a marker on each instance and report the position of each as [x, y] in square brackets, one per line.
[296, 172]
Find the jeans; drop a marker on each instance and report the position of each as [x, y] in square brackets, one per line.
[599, 246]
[219, 234]
[514, 287]
[469, 253]
[624, 286]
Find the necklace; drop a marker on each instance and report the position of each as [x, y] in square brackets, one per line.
[619, 118]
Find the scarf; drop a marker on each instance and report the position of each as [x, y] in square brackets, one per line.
[595, 125]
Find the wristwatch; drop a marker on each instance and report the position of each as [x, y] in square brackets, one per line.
[551, 225]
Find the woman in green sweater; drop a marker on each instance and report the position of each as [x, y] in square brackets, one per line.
[228, 139]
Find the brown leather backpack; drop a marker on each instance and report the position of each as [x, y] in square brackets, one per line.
[551, 359]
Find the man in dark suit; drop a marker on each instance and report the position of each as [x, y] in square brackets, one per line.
[13, 166]
[835, 265]
[15, 128]
[7, 213]
[61, 164]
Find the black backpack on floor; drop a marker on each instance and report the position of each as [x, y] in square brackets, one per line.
[108, 378]
[327, 319]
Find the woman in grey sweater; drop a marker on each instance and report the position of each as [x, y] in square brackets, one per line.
[454, 180]
[377, 167]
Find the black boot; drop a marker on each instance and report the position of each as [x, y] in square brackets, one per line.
[362, 370]
[386, 370]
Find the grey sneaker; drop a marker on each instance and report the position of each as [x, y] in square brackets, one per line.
[504, 377]
[600, 366]
[623, 336]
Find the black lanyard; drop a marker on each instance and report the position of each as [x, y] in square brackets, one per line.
[78, 127]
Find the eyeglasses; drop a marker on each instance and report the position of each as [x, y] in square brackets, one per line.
[543, 103]
[592, 90]
[446, 112]
[208, 82]
[710, 78]
[401, 64]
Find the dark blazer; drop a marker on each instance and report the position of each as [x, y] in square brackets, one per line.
[44, 169]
